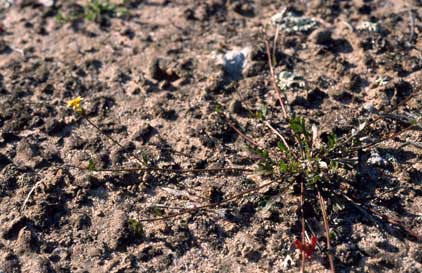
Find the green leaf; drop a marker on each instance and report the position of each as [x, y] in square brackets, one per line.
[283, 166]
[60, 18]
[90, 15]
[265, 168]
[332, 141]
[294, 166]
[122, 12]
[282, 147]
[91, 165]
[297, 124]
[218, 108]
[145, 158]
[157, 211]
[136, 227]
[262, 114]
[413, 122]
[332, 235]
[307, 149]
[264, 110]
[264, 200]
[333, 165]
[313, 180]
[261, 152]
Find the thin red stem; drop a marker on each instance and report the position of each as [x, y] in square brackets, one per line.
[273, 80]
[327, 231]
[302, 216]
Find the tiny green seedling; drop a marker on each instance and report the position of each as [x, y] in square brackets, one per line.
[262, 113]
[94, 10]
[136, 228]
[91, 165]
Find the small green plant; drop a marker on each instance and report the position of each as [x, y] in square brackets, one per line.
[94, 10]
[262, 113]
[91, 165]
[136, 228]
[302, 157]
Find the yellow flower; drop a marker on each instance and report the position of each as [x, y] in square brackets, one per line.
[76, 105]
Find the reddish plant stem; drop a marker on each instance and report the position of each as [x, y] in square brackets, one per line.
[327, 231]
[245, 137]
[302, 218]
[273, 80]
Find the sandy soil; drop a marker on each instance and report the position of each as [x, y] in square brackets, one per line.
[152, 81]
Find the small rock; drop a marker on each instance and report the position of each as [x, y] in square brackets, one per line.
[234, 61]
[99, 213]
[75, 143]
[82, 181]
[26, 150]
[288, 262]
[59, 254]
[377, 160]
